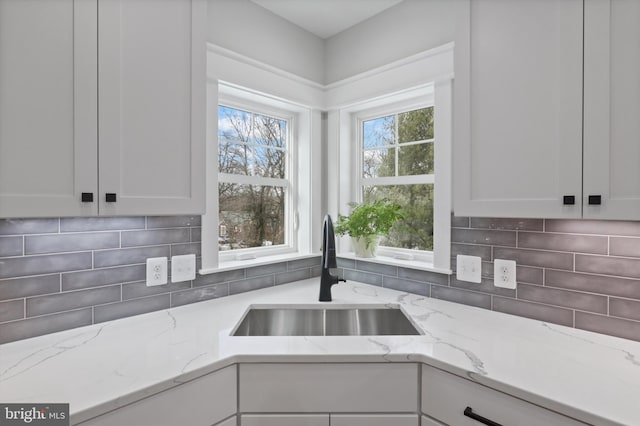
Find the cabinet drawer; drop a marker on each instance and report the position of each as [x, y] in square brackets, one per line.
[330, 388]
[445, 397]
[374, 420]
[285, 420]
[201, 402]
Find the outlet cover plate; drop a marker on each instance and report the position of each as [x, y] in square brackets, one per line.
[469, 268]
[156, 271]
[183, 268]
[504, 273]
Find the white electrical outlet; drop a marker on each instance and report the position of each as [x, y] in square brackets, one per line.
[156, 271]
[504, 273]
[468, 268]
[183, 268]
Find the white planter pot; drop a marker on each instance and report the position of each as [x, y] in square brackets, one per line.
[365, 246]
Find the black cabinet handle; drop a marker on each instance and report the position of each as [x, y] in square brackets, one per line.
[469, 413]
[110, 197]
[595, 200]
[569, 200]
[87, 197]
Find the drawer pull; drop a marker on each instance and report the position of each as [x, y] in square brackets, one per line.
[595, 200]
[469, 413]
[569, 200]
[110, 197]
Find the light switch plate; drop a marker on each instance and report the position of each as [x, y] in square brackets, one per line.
[183, 268]
[468, 268]
[504, 273]
[156, 271]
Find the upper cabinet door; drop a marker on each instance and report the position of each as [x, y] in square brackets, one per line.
[518, 109]
[612, 108]
[152, 87]
[48, 107]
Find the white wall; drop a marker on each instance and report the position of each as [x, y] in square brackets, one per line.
[252, 31]
[403, 30]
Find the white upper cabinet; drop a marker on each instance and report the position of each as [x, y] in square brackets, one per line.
[518, 109]
[102, 97]
[152, 73]
[48, 107]
[612, 108]
[527, 131]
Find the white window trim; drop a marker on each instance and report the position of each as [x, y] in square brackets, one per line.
[233, 97]
[328, 186]
[282, 93]
[424, 75]
[425, 99]
[439, 95]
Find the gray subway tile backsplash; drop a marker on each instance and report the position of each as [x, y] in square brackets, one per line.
[249, 284]
[155, 237]
[199, 294]
[402, 284]
[470, 298]
[584, 274]
[624, 246]
[36, 265]
[86, 224]
[57, 243]
[129, 308]
[15, 288]
[128, 256]
[619, 266]
[28, 226]
[11, 310]
[594, 244]
[608, 325]
[11, 246]
[42, 305]
[549, 259]
[535, 311]
[507, 224]
[31, 327]
[600, 227]
[101, 277]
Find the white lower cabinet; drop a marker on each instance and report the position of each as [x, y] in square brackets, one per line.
[285, 420]
[445, 397]
[328, 388]
[374, 420]
[200, 402]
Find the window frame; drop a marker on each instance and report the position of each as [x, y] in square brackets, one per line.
[393, 108]
[254, 104]
[439, 94]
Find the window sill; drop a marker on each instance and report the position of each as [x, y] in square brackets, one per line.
[386, 260]
[265, 260]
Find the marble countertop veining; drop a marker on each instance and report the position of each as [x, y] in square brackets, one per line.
[592, 377]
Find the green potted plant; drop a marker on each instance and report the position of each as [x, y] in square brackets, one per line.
[367, 222]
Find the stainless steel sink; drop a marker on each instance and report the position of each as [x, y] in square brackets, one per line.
[325, 321]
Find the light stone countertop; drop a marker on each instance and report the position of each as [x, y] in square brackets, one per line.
[592, 377]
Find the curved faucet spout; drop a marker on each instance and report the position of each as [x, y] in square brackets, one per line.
[328, 260]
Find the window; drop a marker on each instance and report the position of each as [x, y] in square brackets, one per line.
[253, 179]
[398, 147]
[397, 163]
[263, 179]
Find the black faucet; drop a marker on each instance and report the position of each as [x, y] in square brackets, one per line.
[328, 260]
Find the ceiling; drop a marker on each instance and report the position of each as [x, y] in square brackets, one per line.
[326, 18]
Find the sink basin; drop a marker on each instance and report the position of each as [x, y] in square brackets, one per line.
[325, 321]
